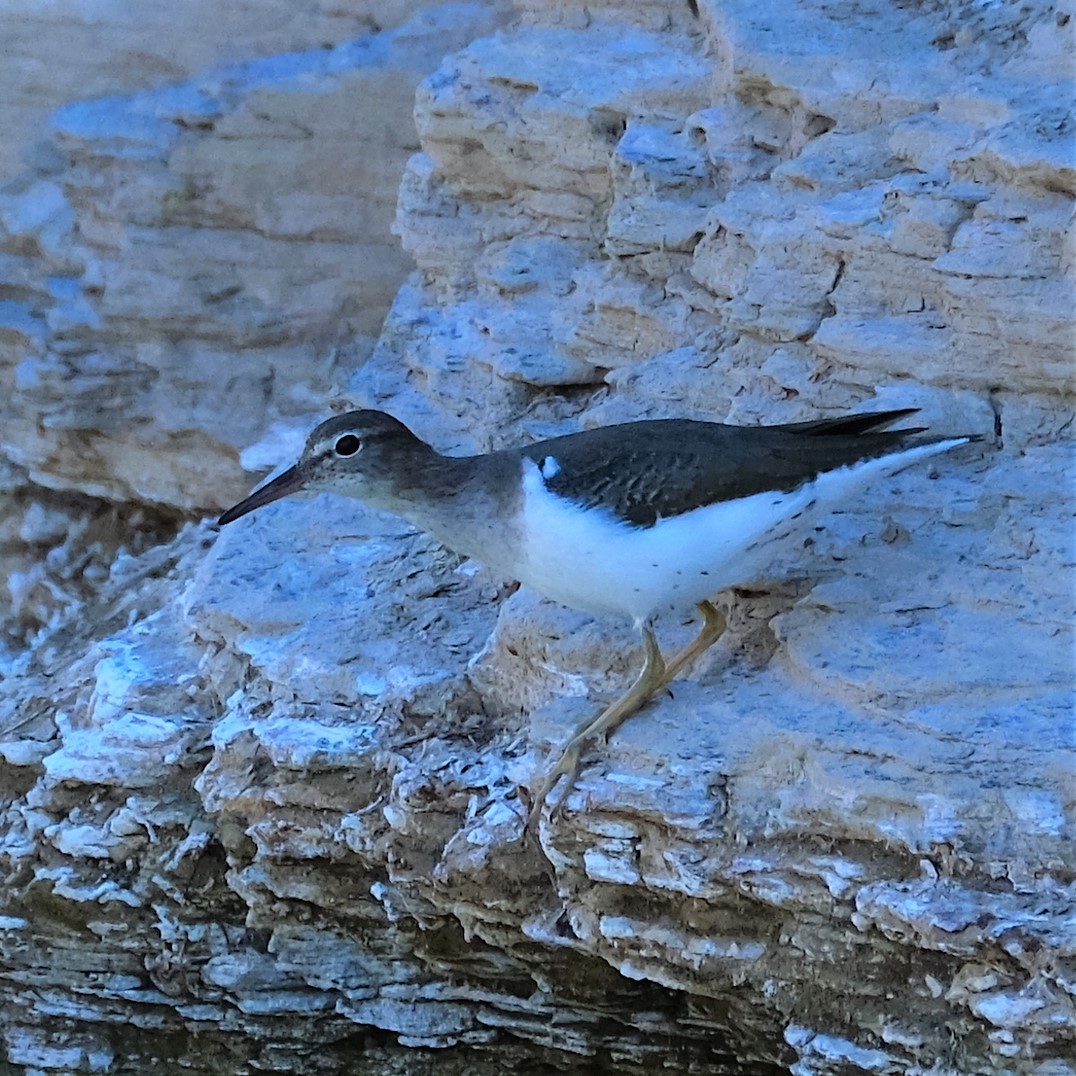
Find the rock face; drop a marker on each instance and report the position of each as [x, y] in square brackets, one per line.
[69, 49]
[261, 789]
[186, 268]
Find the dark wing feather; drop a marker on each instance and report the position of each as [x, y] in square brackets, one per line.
[642, 471]
[851, 424]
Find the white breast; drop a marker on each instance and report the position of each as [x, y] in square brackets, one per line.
[590, 560]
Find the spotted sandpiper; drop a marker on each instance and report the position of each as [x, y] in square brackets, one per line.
[629, 519]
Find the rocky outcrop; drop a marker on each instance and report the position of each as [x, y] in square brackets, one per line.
[188, 267]
[68, 50]
[261, 790]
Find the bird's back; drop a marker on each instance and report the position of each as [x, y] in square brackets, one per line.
[645, 471]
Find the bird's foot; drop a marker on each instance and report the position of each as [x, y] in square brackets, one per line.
[566, 766]
[651, 680]
[655, 677]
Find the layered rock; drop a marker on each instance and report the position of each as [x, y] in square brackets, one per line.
[264, 787]
[188, 266]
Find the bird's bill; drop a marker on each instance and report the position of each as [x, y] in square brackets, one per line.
[291, 481]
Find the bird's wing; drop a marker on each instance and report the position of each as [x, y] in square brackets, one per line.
[643, 471]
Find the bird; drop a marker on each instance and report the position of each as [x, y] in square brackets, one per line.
[628, 520]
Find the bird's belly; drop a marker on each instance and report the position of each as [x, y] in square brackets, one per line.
[589, 560]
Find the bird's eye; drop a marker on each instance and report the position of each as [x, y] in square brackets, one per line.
[348, 445]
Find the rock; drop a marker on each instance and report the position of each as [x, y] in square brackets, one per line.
[263, 789]
[204, 242]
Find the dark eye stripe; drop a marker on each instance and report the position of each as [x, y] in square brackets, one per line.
[347, 445]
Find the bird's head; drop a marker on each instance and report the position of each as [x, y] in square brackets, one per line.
[357, 454]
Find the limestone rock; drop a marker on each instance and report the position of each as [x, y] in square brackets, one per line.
[210, 244]
[264, 787]
[190, 263]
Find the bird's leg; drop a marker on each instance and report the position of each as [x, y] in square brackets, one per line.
[647, 684]
[656, 675]
[713, 627]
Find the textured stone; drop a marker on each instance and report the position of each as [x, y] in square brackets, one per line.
[227, 223]
[69, 50]
[265, 786]
[190, 264]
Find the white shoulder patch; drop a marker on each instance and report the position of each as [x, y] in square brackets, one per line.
[549, 467]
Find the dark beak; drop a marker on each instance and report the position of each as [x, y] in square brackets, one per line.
[291, 481]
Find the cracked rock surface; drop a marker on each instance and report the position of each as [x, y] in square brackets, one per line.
[262, 789]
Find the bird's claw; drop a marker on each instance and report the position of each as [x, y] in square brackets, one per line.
[566, 766]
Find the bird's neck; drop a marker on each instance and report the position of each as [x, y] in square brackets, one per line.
[459, 500]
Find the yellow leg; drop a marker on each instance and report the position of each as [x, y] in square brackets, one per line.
[713, 627]
[648, 682]
[655, 677]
